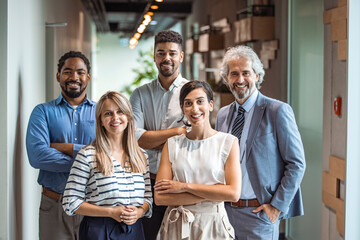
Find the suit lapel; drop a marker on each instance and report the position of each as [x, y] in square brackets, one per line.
[230, 117]
[259, 110]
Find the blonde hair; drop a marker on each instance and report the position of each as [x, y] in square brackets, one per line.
[130, 145]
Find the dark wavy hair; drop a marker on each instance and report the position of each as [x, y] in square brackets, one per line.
[189, 87]
[192, 85]
[73, 54]
[168, 36]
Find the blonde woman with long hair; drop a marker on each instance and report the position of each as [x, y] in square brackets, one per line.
[109, 181]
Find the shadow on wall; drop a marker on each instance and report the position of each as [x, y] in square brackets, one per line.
[18, 169]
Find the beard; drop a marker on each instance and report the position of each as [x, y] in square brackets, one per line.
[242, 94]
[169, 72]
[73, 93]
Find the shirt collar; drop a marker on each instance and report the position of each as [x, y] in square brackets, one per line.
[249, 103]
[62, 99]
[176, 83]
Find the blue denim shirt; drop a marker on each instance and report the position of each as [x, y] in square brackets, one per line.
[58, 122]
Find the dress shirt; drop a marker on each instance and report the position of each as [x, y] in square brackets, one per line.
[121, 188]
[247, 191]
[58, 122]
[156, 108]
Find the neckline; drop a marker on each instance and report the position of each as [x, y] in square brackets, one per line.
[200, 140]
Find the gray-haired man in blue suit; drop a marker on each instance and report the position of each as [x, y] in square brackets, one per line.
[271, 152]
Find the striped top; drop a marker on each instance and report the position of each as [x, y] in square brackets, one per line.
[86, 183]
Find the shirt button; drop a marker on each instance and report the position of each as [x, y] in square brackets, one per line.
[75, 139]
[75, 110]
[75, 124]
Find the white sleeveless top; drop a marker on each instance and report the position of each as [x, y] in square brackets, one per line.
[200, 161]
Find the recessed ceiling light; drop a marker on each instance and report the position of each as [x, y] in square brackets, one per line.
[154, 7]
[159, 0]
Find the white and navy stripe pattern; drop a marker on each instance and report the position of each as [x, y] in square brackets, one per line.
[86, 183]
[239, 123]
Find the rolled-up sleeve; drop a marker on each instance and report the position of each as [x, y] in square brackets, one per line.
[75, 190]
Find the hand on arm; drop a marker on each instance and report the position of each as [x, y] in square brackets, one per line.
[40, 154]
[165, 173]
[66, 148]
[222, 192]
[156, 139]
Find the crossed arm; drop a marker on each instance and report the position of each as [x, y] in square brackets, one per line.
[53, 157]
[173, 193]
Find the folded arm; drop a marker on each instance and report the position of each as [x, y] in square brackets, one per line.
[171, 199]
[169, 190]
[41, 154]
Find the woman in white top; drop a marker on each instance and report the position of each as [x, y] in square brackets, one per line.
[198, 172]
[109, 181]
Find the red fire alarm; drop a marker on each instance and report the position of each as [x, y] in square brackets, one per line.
[337, 106]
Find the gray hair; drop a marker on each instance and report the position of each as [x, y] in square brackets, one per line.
[242, 52]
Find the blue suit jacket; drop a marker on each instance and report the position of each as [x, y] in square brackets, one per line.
[275, 154]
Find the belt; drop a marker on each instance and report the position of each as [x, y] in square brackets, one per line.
[51, 194]
[182, 214]
[246, 203]
[153, 176]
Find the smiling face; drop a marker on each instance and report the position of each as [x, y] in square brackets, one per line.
[197, 108]
[168, 56]
[73, 78]
[241, 79]
[113, 119]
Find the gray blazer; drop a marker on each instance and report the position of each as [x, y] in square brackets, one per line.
[275, 154]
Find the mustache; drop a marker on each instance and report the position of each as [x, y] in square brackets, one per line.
[166, 63]
[240, 85]
[72, 81]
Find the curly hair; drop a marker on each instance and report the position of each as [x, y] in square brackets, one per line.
[168, 36]
[242, 52]
[73, 54]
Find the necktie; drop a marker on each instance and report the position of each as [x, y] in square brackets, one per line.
[239, 123]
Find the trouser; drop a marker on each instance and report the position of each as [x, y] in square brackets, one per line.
[54, 223]
[105, 228]
[252, 226]
[152, 225]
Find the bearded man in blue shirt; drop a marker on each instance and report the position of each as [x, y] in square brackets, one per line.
[57, 130]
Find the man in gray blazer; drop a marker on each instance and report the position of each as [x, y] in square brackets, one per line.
[271, 152]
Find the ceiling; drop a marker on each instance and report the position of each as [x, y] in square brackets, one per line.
[125, 16]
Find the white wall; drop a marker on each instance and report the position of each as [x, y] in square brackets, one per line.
[115, 62]
[22, 69]
[4, 200]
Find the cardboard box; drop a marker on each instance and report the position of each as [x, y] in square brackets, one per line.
[208, 42]
[256, 28]
[342, 50]
[338, 30]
